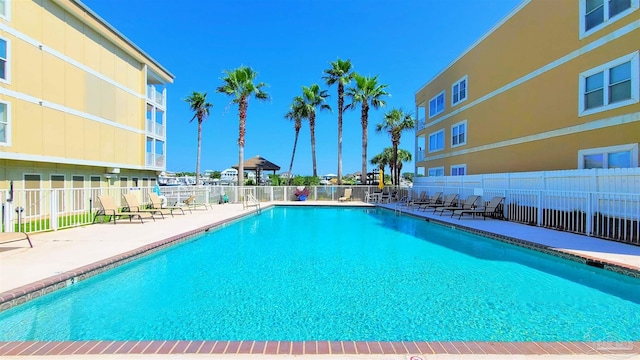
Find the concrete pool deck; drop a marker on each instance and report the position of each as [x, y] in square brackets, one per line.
[62, 256]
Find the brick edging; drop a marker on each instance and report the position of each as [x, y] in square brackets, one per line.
[317, 347]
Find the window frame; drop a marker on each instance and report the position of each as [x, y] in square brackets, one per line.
[443, 93]
[7, 67]
[437, 168]
[633, 148]
[466, 93]
[7, 129]
[458, 166]
[634, 59]
[429, 141]
[7, 10]
[607, 20]
[466, 131]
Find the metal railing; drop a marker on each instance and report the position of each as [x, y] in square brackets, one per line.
[614, 216]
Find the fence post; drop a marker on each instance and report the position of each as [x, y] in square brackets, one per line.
[540, 212]
[8, 216]
[53, 217]
[271, 192]
[589, 224]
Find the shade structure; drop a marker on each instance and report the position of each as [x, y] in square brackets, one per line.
[258, 164]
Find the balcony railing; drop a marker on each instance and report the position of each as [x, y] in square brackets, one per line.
[159, 161]
[159, 129]
[149, 126]
[422, 123]
[155, 96]
[149, 159]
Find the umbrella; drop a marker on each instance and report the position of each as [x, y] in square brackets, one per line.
[381, 182]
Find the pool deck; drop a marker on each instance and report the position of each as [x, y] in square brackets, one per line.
[65, 256]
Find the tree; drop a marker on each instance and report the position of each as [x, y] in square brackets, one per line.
[395, 122]
[340, 73]
[403, 156]
[381, 161]
[198, 104]
[313, 98]
[239, 84]
[367, 92]
[295, 114]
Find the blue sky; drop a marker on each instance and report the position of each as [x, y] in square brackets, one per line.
[289, 43]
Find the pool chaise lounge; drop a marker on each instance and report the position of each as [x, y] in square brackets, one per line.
[110, 209]
[346, 196]
[468, 204]
[424, 202]
[491, 209]
[190, 202]
[9, 237]
[156, 203]
[134, 206]
[449, 200]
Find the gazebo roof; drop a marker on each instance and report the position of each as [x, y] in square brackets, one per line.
[258, 162]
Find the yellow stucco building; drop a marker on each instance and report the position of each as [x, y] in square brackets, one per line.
[80, 104]
[554, 85]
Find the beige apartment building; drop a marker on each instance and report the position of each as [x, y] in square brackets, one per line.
[553, 86]
[80, 104]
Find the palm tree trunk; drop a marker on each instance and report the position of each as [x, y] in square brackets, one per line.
[396, 179]
[312, 126]
[340, 104]
[364, 115]
[199, 150]
[293, 154]
[242, 107]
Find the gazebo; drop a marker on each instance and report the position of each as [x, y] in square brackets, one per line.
[259, 164]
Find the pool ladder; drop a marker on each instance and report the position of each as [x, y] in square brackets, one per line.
[250, 200]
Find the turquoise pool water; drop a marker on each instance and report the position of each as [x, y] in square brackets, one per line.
[296, 273]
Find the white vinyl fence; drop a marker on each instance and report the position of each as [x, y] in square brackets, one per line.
[597, 202]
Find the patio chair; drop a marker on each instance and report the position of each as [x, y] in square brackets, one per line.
[450, 200]
[468, 204]
[491, 209]
[110, 209]
[134, 206]
[156, 203]
[346, 196]
[370, 197]
[9, 237]
[190, 202]
[434, 200]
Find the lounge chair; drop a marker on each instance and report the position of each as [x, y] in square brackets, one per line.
[156, 203]
[134, 206]
[468, 204]
[346, 196]
[110, 209]
[14, 236]
[190, 202]
[450, 200]
[491, 209]
[433, 201]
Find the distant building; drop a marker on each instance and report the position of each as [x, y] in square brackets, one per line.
[229, 175]
[554, 85]
[80, 104]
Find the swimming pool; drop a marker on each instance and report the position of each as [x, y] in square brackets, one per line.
[338, 274]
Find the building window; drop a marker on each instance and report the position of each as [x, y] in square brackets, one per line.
[78, 192]
[438, 171]
[459, 134]
[612, 157]
[436, 141]
[609, 86]
[4, 60]
[4, 124]
[436, 105]
[459, 91]
[458, 170]
[596, 14]
[4, 9]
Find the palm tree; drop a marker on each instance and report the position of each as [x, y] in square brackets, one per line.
[239, 84]
[395, 122]
[295, 114]
[198, 104]
[340, 73]
[381, 160]
[368, 92]
[402, 156]
[313, 98]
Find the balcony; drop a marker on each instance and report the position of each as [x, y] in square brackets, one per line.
[155, 160]
[155, 128]
[159, 130]
[155, 96]
[422, 123]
